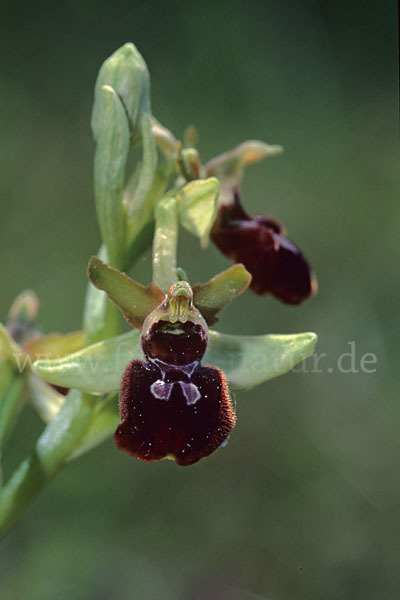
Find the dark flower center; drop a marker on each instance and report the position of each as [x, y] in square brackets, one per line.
[175, 343]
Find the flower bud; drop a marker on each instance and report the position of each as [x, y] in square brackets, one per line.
[126, 72]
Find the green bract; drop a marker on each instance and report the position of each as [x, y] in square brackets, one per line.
[109, 173]
[197, 203]
[127, 73]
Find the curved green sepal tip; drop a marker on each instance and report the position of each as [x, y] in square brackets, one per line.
[136, 301]
[96, 369]
[248, 360]
[219, 291]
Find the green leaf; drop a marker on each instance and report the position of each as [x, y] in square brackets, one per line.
[109, 172]
[96, 369]
[135, 300]
[125, 71]
[213, 295]
[102, 426]
[245, 360]
[197, 203]
[248, 360]
[165, 243]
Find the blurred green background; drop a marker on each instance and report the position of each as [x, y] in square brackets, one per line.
[304, 501]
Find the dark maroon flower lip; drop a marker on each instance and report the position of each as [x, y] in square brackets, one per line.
[171, 405]
[276, 264]
[184, 420]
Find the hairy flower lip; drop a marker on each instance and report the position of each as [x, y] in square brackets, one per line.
[154, 428]
[276, 264]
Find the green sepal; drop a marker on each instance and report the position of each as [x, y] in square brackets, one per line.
[125, 71]
[57, 442]
[198, 203]
[96, 369]
[109, 172]
[219, 291]
[135, 301]
[246, 360]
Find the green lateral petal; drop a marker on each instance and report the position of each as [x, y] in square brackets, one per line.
[96, 369]
[248, 360]
[213, 295]
[109, 171]
[197, 203]
[135, 300]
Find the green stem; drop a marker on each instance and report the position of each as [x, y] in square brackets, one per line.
[60, 438]
[165, 244]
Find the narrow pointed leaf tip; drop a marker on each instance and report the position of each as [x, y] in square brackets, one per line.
[246, 360]
[135, 301]
[198, 203]
[212, 296]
